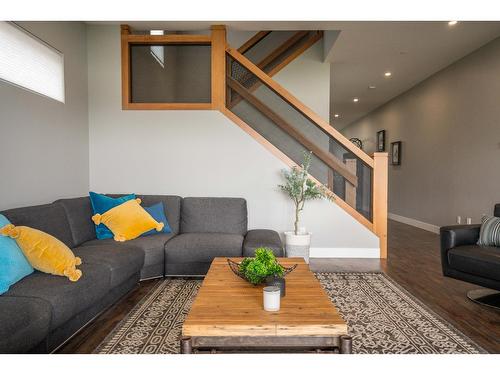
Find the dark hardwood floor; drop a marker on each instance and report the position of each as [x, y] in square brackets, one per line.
[413, 262]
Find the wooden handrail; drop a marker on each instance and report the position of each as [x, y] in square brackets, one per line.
[253, 41]
[299, 106]
[281, 49]
[276, 53]
[289, 58]
[285, 159]
[325, 156]
[168, 39]
[297, 52]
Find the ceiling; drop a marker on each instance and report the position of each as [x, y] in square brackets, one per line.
[411, 51]
[363, 51]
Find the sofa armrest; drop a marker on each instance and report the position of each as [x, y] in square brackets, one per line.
[262, 238]
[456, 235]
[459, 235]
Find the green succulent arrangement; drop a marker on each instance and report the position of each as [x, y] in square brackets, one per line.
[263, 265]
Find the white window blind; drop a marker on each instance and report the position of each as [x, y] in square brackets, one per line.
[28, 62]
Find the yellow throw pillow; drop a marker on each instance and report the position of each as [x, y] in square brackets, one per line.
[45, 252]
[128, 220]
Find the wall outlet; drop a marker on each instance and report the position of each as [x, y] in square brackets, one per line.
[469, 220]
[459, 219]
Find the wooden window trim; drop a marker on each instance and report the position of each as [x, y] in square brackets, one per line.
[169, 39]
[217, 41]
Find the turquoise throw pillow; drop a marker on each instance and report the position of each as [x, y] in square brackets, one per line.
[102, 203]
[157, 211]
[13, 264]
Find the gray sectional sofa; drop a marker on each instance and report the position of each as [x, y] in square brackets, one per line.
[42, 311]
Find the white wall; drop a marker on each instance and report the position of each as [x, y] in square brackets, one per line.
[44, 143]
[308, 78]
[193, 153]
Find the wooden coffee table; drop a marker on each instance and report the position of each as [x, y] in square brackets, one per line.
[228, 315]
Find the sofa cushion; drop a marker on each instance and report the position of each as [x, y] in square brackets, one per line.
[476, 260]
[153, 246]
[24, 323]
[49, 218]
[202, 247]
[214, 215]
[66, 298]
[171, 205]
[79, 212]
[262, 238]
[121, 261]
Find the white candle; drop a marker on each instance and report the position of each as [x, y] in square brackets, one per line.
[271, 298]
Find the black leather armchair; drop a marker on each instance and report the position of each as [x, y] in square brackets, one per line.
[463, 259]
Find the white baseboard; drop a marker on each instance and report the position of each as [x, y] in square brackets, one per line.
[339, 252]
[415, 223]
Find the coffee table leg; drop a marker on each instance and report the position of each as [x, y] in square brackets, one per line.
[345, 344]
[186, 345]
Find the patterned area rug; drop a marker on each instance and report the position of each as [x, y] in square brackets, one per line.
[382, 318]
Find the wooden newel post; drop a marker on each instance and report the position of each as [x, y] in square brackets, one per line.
[380, 189]
[218, 67]
[125, 63]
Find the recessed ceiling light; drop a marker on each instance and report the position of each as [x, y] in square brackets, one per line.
[387, 74]
[371, 87]
[452, 23]
[336, 115]
[355, 100]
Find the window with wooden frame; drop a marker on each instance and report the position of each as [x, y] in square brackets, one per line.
[173, 71]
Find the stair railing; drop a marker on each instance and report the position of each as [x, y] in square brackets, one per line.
[346, 162]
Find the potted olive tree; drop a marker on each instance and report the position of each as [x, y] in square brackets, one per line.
[300, 188]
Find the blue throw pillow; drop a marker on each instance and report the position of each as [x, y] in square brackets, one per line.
[13, 264]
[102, 203]
[158, 212]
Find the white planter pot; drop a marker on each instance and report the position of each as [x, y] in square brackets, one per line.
[297, 245]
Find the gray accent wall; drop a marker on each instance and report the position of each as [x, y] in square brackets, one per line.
[44, 143]
[449, 126]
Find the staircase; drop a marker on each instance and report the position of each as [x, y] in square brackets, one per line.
[243, 88]
[271, 51]
[280, 122]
